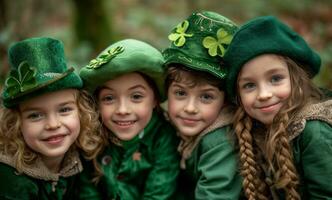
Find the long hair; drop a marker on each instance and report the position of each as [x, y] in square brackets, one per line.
[12, 143]
[277, 149]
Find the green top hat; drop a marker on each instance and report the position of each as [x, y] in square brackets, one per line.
[200, 42]
[123, 57]
[265, 35]
[37, 66]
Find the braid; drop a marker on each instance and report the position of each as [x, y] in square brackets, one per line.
[285, 175]
[251, 182]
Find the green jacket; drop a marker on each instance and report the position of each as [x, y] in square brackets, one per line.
[311, 139]
[211, 167]
[312, 150]
[147, 168]
[37, 183]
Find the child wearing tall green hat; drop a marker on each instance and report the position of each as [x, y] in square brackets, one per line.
[283, 123]
[46, 122]
[139, 160]
[197, 107]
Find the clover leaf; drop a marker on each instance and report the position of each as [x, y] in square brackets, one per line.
[105, 58]
[21, 80]
[218, 46]
[179, 37]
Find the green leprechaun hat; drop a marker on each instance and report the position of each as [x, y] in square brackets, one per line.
[125, 56]
[38, 66]
[200, 42]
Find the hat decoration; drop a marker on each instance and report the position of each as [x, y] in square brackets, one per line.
[37, 66]
[105, 58]
[200, 42]
[123, 57]
[179, 36]
[218, 46]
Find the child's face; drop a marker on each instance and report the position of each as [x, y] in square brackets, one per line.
[192, 109]
[126, 104]
[51, 123]
[264, 85]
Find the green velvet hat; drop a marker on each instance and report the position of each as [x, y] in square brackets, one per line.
[37, 66]
[200, 42]
[123, 57]
[264, 35]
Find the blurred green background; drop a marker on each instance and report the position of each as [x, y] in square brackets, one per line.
[88, 26]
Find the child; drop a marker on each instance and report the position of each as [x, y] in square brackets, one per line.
[140, 160]
[197, 106]
[282, 125]
[46, 120]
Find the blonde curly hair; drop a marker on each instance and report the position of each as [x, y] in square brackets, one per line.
[276, 148]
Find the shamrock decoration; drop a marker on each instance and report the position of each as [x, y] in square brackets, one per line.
[105, 58]
[216, 46]
[21, 80]
[179, 37]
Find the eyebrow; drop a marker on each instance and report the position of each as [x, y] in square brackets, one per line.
[131, 88]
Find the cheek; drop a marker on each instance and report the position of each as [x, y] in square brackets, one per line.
[173, 107]
[247, 100]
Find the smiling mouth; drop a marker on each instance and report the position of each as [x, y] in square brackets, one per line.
[269, 108]
[188, 121]
[124, 123]
[54, 139]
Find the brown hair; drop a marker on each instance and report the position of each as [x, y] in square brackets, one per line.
[175, 73]
[89, 141]
[277, 148]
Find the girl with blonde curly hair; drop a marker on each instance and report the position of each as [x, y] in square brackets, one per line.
[46, 123]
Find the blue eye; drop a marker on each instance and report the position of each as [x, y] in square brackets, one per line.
[206, 98]
[35, 116]
[108, 98]
[180, 93]
[276, 78]
[137, 97]
[248, 86]
[65, 109]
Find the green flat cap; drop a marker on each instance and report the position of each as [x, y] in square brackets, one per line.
[200, 42]
[124, 57]
[264, 35]
[37, 66]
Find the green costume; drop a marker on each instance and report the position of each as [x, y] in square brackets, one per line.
[143, 168]
[211, 169]
[147, 166]
[209, 159]
[37, 182]
[312, 148]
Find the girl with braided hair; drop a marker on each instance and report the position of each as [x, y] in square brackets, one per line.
[283, 122]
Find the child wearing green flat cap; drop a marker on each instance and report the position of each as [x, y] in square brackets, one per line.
[283, 123]
[198, 108]
[139, 160]
[45, 122]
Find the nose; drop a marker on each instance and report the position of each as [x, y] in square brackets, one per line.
[264, 93]
[191, 107]
[123, 107]
[53, 122]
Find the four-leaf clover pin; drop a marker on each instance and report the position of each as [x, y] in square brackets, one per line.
[179, 37]
[105, 58]
[216, 46]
